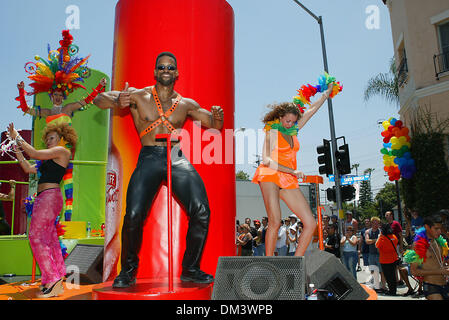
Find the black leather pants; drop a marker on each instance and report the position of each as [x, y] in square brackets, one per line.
[189, 189]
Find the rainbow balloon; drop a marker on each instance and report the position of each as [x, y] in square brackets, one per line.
[397, 158]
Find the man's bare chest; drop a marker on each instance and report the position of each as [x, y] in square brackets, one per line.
[433, 256]
[146, 110]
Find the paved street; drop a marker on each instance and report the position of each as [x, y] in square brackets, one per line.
[363, 276]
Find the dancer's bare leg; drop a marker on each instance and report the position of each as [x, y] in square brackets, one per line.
[270, 194]
[297, 203]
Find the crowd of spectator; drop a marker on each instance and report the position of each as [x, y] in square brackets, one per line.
[376, 243]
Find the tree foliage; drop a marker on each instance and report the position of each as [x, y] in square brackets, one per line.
[242, 175]
[366, 194]
[384, 85]
[428, 190]
[386, 198]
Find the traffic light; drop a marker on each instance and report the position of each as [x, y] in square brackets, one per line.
[342, 157]
[330, 193]
[347, 193]
[325, 158]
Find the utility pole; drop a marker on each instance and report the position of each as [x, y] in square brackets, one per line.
[331, 116]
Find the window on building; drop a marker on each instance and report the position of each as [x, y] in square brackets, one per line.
[444, 37]
[443, 56]
[402, 68]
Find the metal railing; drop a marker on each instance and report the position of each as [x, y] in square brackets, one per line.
[441, 63]
[75, 162]
[13, 200]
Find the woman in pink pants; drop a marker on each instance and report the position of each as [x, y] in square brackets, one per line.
[59, 138]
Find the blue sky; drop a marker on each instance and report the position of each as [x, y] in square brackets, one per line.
[277, 49]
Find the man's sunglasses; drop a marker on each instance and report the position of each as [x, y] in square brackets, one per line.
[169, 67]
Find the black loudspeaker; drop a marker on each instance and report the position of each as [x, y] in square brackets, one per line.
[329, 275]
[259, 278]
[88, 261]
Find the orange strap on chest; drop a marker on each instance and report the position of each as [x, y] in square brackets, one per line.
[163, 116]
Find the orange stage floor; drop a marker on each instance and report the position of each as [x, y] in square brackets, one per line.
[26, 290]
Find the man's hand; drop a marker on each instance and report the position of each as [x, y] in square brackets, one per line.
[124, 98]
[217, 113]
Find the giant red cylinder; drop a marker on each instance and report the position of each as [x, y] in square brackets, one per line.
[201, 35]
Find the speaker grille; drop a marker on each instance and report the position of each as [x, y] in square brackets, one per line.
[83, 256]
[327, 272]
[259, 278]
[87, 261]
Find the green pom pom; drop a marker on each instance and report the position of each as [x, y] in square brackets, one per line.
[441, 241]
[410, 256]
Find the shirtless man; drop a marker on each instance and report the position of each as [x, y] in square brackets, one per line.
[158, 110]
[434, 270]
[57, 98]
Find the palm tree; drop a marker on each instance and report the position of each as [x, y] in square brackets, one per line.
[385, 85]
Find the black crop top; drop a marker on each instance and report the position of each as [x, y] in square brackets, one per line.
[51, 172]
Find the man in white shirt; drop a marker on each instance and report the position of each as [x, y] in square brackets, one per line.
[281, 243]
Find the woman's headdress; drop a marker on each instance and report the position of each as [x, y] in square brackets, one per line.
[62, 71]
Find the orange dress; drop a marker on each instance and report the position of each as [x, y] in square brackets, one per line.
[284, 155]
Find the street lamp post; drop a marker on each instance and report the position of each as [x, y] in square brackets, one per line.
[331, 114]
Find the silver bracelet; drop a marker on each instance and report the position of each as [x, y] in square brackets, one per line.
[19, 139]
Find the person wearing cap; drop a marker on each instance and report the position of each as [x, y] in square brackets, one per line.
[334, 221]
[292, 240]
[281, 243]
[293, 219]
[350, 221]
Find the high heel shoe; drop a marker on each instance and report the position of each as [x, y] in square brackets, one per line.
[54, 291]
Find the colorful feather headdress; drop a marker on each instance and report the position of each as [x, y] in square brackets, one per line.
[61, 72]
[303, 98]
[308, 91]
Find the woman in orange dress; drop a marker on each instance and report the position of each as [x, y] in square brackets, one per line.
[278, 176]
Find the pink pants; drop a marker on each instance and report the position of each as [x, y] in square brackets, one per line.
[44, 241]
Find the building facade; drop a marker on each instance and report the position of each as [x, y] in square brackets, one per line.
[421, 50]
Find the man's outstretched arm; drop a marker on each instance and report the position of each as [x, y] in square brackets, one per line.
[112, 99]
[210, 119]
